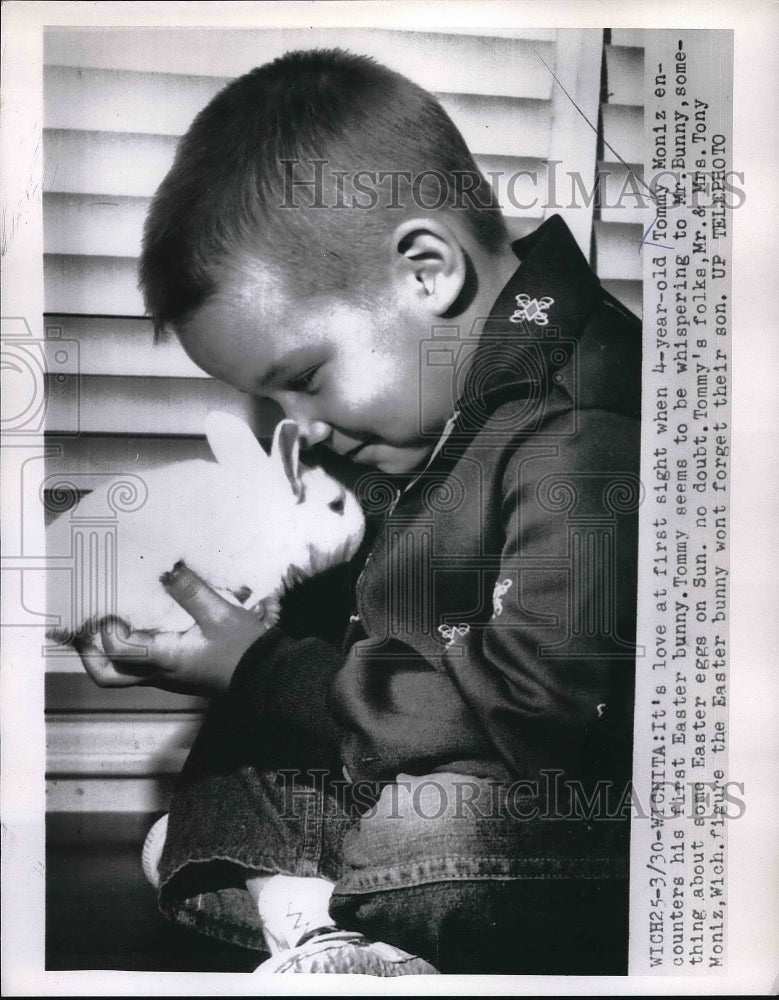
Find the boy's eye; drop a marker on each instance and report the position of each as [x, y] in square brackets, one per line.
[305, 381]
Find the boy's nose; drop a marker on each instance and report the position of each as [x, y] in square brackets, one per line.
[314, 432]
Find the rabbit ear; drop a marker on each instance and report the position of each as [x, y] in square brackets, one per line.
[233, 443]
[286, 452]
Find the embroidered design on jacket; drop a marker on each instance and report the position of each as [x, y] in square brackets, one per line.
[532, 310]
[501, 589]
[451, 632]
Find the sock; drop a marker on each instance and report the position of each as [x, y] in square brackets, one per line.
[290, 907]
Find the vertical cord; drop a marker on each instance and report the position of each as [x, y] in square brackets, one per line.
[599, 148]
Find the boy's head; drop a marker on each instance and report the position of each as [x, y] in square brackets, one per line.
[321, 196]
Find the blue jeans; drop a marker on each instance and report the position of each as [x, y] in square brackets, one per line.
[475, 875]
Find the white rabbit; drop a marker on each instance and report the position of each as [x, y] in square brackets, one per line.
[248, 524]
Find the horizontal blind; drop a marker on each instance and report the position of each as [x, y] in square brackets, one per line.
[116, 102]
[621, 218]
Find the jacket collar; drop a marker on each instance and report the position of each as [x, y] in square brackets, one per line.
[552, 267]
[548, 298]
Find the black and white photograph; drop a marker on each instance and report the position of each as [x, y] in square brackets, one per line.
[381, 587]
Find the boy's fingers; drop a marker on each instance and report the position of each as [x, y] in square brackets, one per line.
[196, 597]
[96, 662]
[120, 643]
[62, 636]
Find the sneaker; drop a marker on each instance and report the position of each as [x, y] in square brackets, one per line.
[347, 953]
[152, 850]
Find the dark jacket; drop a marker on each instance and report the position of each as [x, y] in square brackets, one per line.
[494, 617]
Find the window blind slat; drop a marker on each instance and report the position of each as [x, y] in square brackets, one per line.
[625, 68]
[118, 744]
[623, 130]
[78, 693]
[623, 196]
[618, 247]
[631, 37]
[96, 163]
[109, 404]
[115, 346]
[500, 125]
[79, 284]
[472, 63]
[112, 100]
[109, 795]
[519, 182]
[94, 765]
[79, 457]
[95, 226]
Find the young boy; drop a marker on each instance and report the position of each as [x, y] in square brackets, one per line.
[430, 779]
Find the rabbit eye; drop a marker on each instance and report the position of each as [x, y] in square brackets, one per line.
[337, 506]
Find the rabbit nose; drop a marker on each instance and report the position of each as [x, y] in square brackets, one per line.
[313, 432]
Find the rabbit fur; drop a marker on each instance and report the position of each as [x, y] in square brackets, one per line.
[249, 524]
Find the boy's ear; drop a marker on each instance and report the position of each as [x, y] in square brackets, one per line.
[432, 262]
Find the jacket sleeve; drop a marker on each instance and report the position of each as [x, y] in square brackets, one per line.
[290, 679]
[287, 674]
[550, 674]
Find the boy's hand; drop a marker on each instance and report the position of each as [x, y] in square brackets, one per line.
[200, 661]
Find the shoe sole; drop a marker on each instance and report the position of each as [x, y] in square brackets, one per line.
[346, 953]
